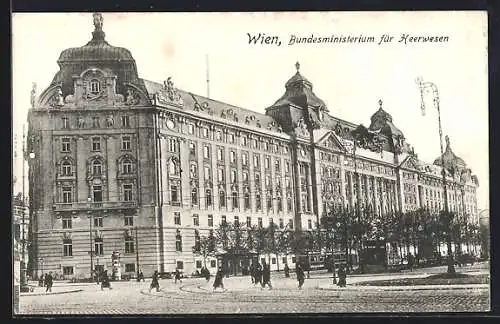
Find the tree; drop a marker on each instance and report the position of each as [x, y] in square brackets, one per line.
[205, 247]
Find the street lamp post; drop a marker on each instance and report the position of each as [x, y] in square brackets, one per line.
[425, 86]
[91, 250]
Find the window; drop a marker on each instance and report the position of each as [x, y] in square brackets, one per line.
[178, 241]
[210, 220]
[192, 148]
[125, 121]
[273, 260]
[95, 122]
[126, 143]
[230, 138]
[172, 145]
[213, 263]
[191, 129]
[249, 221]
[206, 173]
[247, 200]
[277, 165]
[66, 222]
[193, 171]
[180, 265]
[293, 259]
[256, 161]
[220, 154]
[232, 156]
[223, 220]
[257, 180]
[127, 192]
[245, 176]
[262, 260]
[244, 159]
[234, 199]
[194, 196]
[65, 123]
[198, 264]
[218, 135]
[98, 221]
[68, 247]
[98, 246]
[127, 166]
[67, 194]
[129, 221]
[269, 203]
[97, 192]
[284, 260]
[208, 197]
[204, 132]
[258, 204]
[254, 143]
[259, 221]
[96, 167]
[309, 224]
[206, 152]
[267, 162]
[95, 86]
[236, 221]
[243, 141]
[289, 204]
[96, 143]
[177, 218]
[266, 146]
[220, 175]
[290, 223]
[66, 144]
[282, 225]
[222, 198]
[129, 267]
[67, 271]
[234, 176]
[196, 220]
[129, 245]
[66, 168]
[174, 194]
[271, 221]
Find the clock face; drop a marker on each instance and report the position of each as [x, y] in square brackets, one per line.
[170, 124]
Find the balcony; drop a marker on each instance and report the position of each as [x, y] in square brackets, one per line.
[103, 205]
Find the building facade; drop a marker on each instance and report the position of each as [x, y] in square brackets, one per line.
[123, 164]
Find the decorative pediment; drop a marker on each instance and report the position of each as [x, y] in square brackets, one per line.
[67, 236]
[169, 94]
[331, 142]
[52, 97]
[411, 163]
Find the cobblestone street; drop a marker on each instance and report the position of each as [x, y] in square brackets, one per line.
[195, 296]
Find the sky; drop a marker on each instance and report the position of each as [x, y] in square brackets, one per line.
[350, 77]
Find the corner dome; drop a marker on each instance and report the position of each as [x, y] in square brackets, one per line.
[97, 49]
[382, 121]
[450, 160]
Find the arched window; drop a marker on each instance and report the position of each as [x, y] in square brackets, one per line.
[96, 167]
[66, 168]
[127, 166]
[247, 200]
[234, 199]
[194, 196]
[222, 198]
[95, 86]
[208, 197]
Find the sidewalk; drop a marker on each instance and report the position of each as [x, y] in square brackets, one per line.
[60, 289]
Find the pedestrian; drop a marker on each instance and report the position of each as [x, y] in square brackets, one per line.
[154, 282]
[410, 261]
[266, 275]
[218, 279]
[342, 276]
[105, 280]
[287, 271]
[48, 282]
[206, 273]
[258, 274]
[300, 275]
[177, 276]
[252, 272]
[141, 276]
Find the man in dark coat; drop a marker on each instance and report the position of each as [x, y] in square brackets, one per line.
[300, 275]
[48, 281]
[342, 276]
[105, 280]
[177, 275]
[206, 273]
[258, 274]
[154, 282]
[287, 271]
[266, 275]
[252, 272]
[218, 279]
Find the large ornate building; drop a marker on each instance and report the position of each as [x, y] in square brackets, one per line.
[123, 164]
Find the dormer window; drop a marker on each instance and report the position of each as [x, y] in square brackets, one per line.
[95, 86]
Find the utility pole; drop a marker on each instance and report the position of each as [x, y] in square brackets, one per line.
[91, 250]
[137, 251]
[23, 242]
